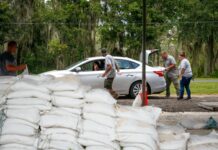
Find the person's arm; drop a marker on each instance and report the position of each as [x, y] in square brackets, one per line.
[107, 70]
[12, 68]
[117, 67]
[170, 67]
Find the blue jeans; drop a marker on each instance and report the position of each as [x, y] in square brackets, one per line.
[185, 84]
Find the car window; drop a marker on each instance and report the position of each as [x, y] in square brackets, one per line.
[126, 64]
[96, 65]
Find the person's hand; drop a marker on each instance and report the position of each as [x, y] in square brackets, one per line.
[103, 75]
[119, 73]
[180, 77]
[166, 69]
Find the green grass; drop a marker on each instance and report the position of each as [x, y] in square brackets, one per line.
[202, 88]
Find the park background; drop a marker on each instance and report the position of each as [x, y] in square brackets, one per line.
[53, 34]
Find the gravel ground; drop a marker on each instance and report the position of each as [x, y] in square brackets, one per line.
[173, 105]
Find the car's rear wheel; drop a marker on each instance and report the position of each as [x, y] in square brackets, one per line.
[136, 87]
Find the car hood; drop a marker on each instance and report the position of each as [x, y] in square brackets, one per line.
[58, 73]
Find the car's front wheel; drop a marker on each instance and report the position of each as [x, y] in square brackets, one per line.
[136, 87]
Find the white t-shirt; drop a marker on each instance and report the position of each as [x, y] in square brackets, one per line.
[109, 60]
[185, 64]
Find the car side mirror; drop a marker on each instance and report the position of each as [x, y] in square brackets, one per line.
[78, 69]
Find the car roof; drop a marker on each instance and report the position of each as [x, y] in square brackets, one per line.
[116, 57]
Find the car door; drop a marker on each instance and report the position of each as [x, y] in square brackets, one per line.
[124, 80]
[89, 76]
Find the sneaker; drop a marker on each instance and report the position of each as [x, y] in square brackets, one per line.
[179, 98]
[188, 98]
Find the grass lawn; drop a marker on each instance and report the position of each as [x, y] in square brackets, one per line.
[201, 88]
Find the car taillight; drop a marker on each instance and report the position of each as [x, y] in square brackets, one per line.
[159, 73]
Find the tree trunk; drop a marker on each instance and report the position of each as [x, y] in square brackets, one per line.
[210, 54]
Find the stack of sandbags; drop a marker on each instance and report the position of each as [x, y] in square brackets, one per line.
[136, 127]
[5, 83]
[24, 103]
[28, 93]
[172, 137]
[97, 129]
[204, 142]
[59, 127]
[20, 129]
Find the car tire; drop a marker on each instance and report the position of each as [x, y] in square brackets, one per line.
[135, 88]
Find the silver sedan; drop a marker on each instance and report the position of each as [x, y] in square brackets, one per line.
[128, 82]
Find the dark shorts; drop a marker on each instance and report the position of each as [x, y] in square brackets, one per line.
[108, 83]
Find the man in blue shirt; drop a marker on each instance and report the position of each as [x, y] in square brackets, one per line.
[8, 66]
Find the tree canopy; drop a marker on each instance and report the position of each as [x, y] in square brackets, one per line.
[53, 34]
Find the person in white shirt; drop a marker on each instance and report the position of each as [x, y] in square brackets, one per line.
[185, 74]
[110, 72]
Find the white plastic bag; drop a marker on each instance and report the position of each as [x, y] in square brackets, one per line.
[18, 139]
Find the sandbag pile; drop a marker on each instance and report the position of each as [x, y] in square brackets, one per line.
[5, 83]
[172, 137]
[49, 113]
[136, 127]
[59, 127]
[204, 142]
[24, 102]
[97, 129]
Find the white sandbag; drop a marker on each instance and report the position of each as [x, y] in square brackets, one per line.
[8, 79]
[60, 145]
[175, 142]
[19, 121]
[92, 126]
[17, 147]
[62, 85]
[211, 146]
[18, 139]
[133, 126]
[4, 86]
[99, 96]
[146, 114]
[59, 111]
[31, 115]
[88, 137]
[67, 102]
[98, 148]
[101, 119]
[137, 138]
[74, 111]
[166, 130]
[28, 85]
[135, 146]
[59, 121]
[41, 108]
[38, 78]
[29, 94]
[28, 101]
[47, 131]
[197, 123]
[100, 108]
[59, 137]
[78, 94]
[18, 129]
[209, 141]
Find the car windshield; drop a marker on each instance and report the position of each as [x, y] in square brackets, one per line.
[74, 64]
